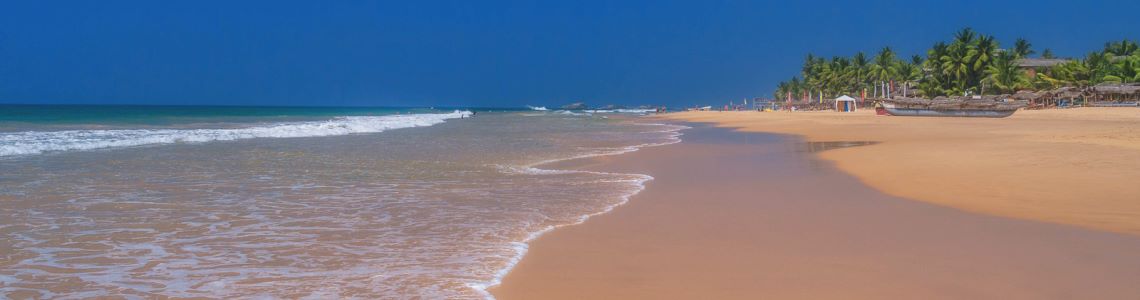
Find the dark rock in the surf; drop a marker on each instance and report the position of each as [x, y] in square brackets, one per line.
[575, 106]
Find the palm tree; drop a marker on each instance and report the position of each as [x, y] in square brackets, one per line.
[841, 75]
[1004, 75]
[808, 67]
[965, 36]
[1022, 48]
[859, 66]
[1073, 73]
[970, 62]
[1121, 48]
[883, 69]
[936, 82]
[982, 54]
[781, 90]
[1127, 69]
[909, 72]
[957, 65]
[794, 86]
[1099, 65]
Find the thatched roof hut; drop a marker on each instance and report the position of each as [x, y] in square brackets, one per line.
[1115, 92]
[1026, 95]
[1116, 89]
[1066, 92]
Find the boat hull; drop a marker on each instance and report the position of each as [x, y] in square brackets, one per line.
[935, 112]
[949, 113]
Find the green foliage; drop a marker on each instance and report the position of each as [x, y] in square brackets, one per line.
[1004, 76]
[968, 63]
[1022, 48]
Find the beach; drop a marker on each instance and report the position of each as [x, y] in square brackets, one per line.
[1069, 166]
[740, 215]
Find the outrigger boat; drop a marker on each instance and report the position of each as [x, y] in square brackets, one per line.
[982, 108]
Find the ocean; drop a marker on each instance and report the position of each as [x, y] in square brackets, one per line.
[293, 202]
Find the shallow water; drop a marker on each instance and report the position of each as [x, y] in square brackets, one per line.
[441, 210]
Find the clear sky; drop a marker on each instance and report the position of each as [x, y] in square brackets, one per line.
[485, 53]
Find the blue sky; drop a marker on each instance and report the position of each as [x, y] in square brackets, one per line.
[485, 53]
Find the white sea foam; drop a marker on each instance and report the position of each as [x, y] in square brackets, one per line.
[521, 248]
[571, 113]
[424, 220]
[623, 111]
[539, 108]
[637, 180]
[37, 142]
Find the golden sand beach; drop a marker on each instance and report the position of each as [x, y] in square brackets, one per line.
[737, 215]
[1070, 166]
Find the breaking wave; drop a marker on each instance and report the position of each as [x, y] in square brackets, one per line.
[38, 142]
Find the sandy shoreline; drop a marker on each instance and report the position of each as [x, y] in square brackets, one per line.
[1076, 166]
[738, 215]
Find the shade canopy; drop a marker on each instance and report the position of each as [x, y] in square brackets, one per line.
[844, 98]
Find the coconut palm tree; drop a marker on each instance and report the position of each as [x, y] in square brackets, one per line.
[1121, 48]
[883, 68]
[1128, 68]
[1099, 65]
[859, 70]
[957, 65]
[965, 36]
[982, 53]
[1022, 48]
[796, 86]
[1003, 75]
[808, 66]
[969, 62]
[909, 72]
[841, 75]
[1073, 73]
[935, 80]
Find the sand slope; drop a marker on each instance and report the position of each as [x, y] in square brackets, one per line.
[735, 215]
[1074, 166]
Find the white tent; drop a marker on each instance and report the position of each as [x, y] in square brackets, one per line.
[845, 104]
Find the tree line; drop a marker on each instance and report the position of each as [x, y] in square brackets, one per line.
[969, 64]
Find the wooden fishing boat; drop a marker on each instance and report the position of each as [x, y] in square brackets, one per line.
[980, 108]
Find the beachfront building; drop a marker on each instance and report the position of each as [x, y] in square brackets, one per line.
[845, 104]
[1034, 65]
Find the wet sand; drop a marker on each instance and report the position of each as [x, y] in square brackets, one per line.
[1069, 166]
[736, 215]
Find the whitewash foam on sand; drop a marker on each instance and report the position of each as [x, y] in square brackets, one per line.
[442, 211]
